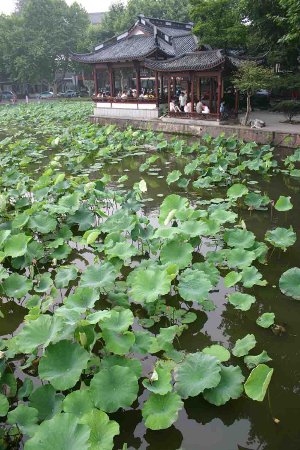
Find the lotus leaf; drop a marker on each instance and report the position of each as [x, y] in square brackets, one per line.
[253, 361]
[62, 364]
[114, 388]
[122, 250]
[196, 373]
[223, 216]
[236, 191]
[26, 389]
[239, 238]
[161, 411]
[83, 297]
[46, 401]
[118, 343]
[42, 223]
[61, 252]
[163, 341]
[251, 276]
[160, 381]
[149, 284]
[99, 277]
[210, 270]
[102, 429]
[118, 321]
[190, 228]
[62, 432]
[173, 176]
[194, 285]
[64, 275]
[44, 283]
[40, 331]
[241, 301]
[244, 345]
[179, 253]
[239, 257]
[266, 320]
[169, 207]
[230, 386]
[16, 245]
[4, 235]
[113, 360]
[220, 352]
[16, 286]
[283, 204]
[78, 403]
[142, 343]
[281, 237]
[70, 202]
[24, 417]
[289, 283]
[232, 278]
[4, 405]
[258, 381]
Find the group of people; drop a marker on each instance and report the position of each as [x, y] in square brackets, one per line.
[128, 93]
[184, 104]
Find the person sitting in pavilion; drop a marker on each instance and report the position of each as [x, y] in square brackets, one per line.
[205, 109]
[188, 106]
[173, 107]
[182, 101]
[199, 107]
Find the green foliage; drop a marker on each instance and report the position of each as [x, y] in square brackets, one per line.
[289, 108]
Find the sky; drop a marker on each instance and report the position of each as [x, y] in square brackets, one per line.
[8, 6]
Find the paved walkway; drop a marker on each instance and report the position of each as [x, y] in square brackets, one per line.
[274, 121]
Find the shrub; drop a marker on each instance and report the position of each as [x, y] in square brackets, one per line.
[289, 108]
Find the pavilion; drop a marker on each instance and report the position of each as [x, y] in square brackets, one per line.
[158, 57]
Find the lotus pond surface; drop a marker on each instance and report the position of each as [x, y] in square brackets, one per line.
[150, 288]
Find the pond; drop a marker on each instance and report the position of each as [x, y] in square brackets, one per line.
[63, 185]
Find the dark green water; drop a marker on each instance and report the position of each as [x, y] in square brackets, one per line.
[240, 424]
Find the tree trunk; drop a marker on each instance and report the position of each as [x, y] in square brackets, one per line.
[246, 118]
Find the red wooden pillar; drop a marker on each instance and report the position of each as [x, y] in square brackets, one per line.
[192, 92]
[198, 88]
[138, 80]
[156, 89]
[111, 82]
[210, 93]
[169, 92]
[174, 86]
[236, 102]
[95, 80]
[219, 94]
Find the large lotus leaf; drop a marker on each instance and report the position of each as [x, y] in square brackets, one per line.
[236, 191]
[64, 275]
[118, 343]
[122, 250]
[16, 286]
[266, 320]
[62, 432]
[232, 278]
[167, 232]
[251, 276]
[253, 361]
[70, 202]
[173, 176]
[289, 283]
[114, 388]
[176, 252]
[194, 285]
[239, 238]
[61, 252]
[4, 405]
[255, 200]
[239, 257]
[223, 216]
[161, 411]
[210, 270]
[44, 282]
[42, 222]
[119, 221]
[163, 341]
[230, 386]
[99, 277]
[114, 360]
[24, 417]
[16, 245]
[196, 373]
[241, 301]
[62, 364]
[98, 316]
[283, 204]
[143, 341]
[84, 218]
[170, 206]
[160, 380]
[46, 401]
[40, 331]
[281, 237]
[8, 382]
[102, 429]
[83, 297]
[118, 321]
[4, 235]
[258, 381]
[149, 284]
[220, 352]
[78, 403]
[244, 345]
[209, 227]
[190, 228]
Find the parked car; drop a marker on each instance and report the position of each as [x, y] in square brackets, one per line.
[7, 95]
[70, 93]
[46, 94]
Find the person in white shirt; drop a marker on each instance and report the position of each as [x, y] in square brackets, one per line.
[188, 106]
[182, 100]
[199, 107]
[205, 109]
[173, 107]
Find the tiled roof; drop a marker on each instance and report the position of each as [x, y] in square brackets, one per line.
[169, 37]
[203, 60]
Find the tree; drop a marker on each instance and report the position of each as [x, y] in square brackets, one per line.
[219, 23]
[290, 108]
[290, 21]
[249, 79]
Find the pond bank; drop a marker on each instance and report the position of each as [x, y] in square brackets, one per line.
[200, 127]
